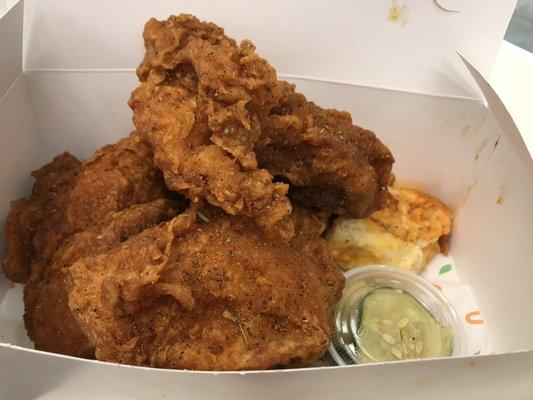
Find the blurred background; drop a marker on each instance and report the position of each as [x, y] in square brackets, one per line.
[520, 31]
[512, 75]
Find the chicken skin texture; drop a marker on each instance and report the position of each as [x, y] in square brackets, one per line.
[214, 293]
[199, 106]
[49, 322]
[222, 125]
[69, 196]
[196, 242]
[331, 164]
[29, 221]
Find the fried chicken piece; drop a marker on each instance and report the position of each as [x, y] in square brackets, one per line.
[69, 196]
[48, 319]
[26, 217]
[115, 177]
[331, 164]
[199, 107]
[211, 110]
[215, 295]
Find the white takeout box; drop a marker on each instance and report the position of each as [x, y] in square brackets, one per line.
[66, 72]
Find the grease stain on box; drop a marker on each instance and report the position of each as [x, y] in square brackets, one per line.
[460, 197]
[465, 129]
[502, 196]
[480, 148]
[398, 14]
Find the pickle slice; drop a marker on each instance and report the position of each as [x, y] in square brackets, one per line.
[394, 326]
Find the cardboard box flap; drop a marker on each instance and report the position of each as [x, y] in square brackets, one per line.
[10, 48]
[398, 44]
[502, 116]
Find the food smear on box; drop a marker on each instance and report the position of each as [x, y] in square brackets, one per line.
[197, 242]
[502, 195]
[398, 14]
[465, 130]
[482, 145]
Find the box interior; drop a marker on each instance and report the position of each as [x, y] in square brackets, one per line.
[447, 145]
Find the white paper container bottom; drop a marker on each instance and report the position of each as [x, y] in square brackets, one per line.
[450, 147]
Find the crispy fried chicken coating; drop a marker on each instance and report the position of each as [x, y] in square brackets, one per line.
[48, 319]
[69, 196]
[240, 281]
[332, 165]
[115, 177]
[28, 219]
[212, 109]
[199, 106]
[215, 295]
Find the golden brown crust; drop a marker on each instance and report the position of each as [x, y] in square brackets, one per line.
[250, 290]
[69, 196]
[16, 265]
[332, 165]
[115, 177]
[212, 109]
[199, 107]
[48, 319]
[28, 218]
[215, 295]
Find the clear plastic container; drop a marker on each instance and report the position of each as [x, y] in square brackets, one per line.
[361, 281]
